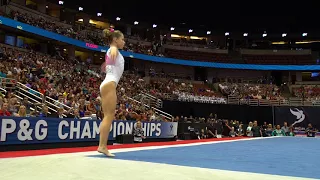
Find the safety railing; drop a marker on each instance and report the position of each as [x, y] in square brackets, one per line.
[167, 116]
[7, 83]
[36, 97]
[2, 90]
[293, 101]
[154, 101]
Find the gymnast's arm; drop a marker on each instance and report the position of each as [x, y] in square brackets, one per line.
[113, 53]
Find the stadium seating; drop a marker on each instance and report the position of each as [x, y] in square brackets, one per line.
[278, 59]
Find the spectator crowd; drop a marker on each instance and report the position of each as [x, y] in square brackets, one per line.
[251, 91]
[307, 92]
[216, 128]
[73, 86]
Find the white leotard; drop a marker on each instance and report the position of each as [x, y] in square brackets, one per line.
[114, 72]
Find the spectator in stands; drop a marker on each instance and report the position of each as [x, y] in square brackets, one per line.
[269, 130]
[311, 131]
[44, 112]
[75, 113]
[278, 131]
[203, 134]
[27, 105]
[4, 110]
[232, 132]
[249, 130]
[212, 129]
[264, 128]
[13, 106]
[256, 130]
[291, 131]
[60, 113]
[22, 112]
[226, 128]
[285, 128]
[240, 130]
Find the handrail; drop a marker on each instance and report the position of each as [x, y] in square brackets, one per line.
[31, 93]
[42, 97]
[4, 82]
[149, 95]
[3, 89]
[157, 101]
[293, 101]
[164, 114]
[36, 100]
[67, 107]
[31, 108]
[45, 97]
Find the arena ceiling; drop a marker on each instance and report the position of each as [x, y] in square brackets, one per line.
[243, 15]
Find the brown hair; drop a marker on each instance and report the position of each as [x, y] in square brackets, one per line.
[110, 34]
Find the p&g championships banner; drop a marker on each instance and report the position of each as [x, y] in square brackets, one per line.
[51, 130]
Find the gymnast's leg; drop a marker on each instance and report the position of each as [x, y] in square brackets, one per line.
[108, 104]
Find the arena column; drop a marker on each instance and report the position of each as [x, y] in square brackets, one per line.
[41, 6]
[71, 52]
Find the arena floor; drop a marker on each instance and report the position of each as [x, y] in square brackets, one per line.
[282, 158]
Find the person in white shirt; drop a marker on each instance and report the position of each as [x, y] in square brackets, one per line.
[249, 132]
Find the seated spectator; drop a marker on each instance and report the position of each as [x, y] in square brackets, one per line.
[4, 110]
[232, 132]
[59, 114]
[27, 105]
[44, 112]
[311, 131]
[291, 131]
[247, 91]
[240, 130]
[22, 112]
[278, 132]
[203, 134]
[269, 130]
[13, 106]
[249, 129]
[285, 128]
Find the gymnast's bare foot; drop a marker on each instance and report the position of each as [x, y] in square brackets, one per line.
[105, 151]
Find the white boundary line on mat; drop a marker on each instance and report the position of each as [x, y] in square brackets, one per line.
[185, 145]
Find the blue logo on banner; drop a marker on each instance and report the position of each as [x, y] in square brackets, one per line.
[51, 130]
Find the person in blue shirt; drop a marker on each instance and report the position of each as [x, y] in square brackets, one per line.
[311, 131]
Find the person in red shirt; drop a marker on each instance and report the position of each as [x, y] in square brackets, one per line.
[4, 110]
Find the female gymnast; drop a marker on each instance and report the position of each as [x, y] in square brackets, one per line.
[113, 66]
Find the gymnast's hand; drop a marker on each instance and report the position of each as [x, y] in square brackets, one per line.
[113, 53]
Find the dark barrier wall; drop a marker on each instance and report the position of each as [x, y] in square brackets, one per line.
[242, 113]
[299, 116]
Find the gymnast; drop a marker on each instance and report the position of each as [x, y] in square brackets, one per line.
[114, 67]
